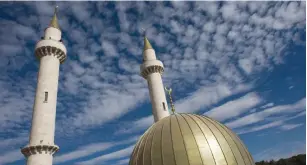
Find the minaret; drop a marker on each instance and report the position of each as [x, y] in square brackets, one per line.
[50, 51]
[151, 70]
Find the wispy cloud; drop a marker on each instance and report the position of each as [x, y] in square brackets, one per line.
[114, 155]
[83, 151]
[5, 143]
[267, 105]
[137, 125]
[261, 127]
[91, 149]
[100, 80]
[290, 126]
[124, 161]
[105, 68]
[207, 96]
[234, 108]
[260, 116]
[11, 148]
[280, 122]
[287, 150]
[204, 97]
[11, 156]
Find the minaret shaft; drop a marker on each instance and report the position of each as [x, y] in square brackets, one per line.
[151, 70]
[157, 96]
[43, 121]
[51, 52]
[39, 159]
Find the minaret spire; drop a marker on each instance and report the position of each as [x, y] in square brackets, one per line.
[147, 44]
[54, 21]
[152, 70]
[51, 52]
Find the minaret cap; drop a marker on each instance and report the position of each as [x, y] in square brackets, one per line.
[147, 44]
[54, 22]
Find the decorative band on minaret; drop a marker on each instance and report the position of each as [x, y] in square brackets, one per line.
[152, 70]
[50, 51]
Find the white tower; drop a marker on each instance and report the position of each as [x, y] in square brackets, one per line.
[151, 70]
[51, 52]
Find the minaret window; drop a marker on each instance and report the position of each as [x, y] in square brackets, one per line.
[46, 97]
[164, 106]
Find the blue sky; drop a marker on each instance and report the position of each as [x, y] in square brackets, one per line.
[241, 63]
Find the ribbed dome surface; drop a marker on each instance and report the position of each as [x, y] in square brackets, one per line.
[187, 139]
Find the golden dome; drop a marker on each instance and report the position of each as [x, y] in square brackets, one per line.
[187, 139]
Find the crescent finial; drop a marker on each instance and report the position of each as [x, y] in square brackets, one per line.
[170, 98]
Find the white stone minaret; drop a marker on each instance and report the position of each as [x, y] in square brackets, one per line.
[50, 51]
[151, 70]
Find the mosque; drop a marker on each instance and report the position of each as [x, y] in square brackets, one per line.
[174, 138]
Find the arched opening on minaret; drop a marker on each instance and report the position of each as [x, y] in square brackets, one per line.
[164, 107]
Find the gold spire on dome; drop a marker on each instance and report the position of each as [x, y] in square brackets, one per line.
[169, 91]
[54, 22]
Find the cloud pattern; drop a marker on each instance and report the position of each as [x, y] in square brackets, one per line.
[215, 54]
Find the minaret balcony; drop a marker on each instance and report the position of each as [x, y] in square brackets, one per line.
[50, 47]
[151, 66]
[39, 149]
[148, 63]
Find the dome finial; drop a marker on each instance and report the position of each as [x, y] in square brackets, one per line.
[169, 91]
[54, 22]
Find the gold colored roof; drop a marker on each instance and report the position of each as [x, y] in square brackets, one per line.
[147, 44]
[187, 139]
[54, 22]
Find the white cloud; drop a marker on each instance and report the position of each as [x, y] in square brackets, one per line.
[209, 27]
[246, 65]
[108, 48]
[20, 98]
[140, 124]
[82, 152]
[202, 98]
[96, 89]
[278, 121]
[234, 108]
[124, 161]
[285, 150]
[259, 116]
[99, 106]
[5, 143]
[11, 156]
[290, 126]
[267, 105]
[91, 149]
[261, 127]
[207, 96]
[114, 155]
